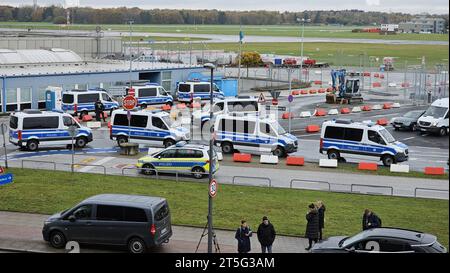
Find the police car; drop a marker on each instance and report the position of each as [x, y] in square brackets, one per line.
[187, 91]
[151, 94]
[182, 157]
[31, 129]
[347, 137]
[146, 127]
[83, 101]
[253, 134]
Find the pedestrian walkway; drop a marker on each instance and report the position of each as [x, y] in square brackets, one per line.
[23, 232]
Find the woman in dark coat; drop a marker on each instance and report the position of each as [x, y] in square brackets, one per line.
[243, 234]
[312, 227]
[321, 209]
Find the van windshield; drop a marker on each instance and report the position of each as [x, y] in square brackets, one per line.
[168, 121]
[435, 112]
[278, 128]
[387, 136]
[13, 121]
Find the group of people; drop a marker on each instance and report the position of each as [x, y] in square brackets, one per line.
[315, 218]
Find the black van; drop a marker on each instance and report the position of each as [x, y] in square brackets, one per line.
[138, 222]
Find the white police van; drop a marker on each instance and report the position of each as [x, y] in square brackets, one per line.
[83, 101]
[151, 94]
[368, 139]
[193, 89]
[252, 134]
[435, 119]
[146, 127]
[31, 129]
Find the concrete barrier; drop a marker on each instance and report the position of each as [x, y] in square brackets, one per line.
[295, 161]
[333, 112]
[356, 109]
[287, 115]
[320, 113]
[87, 118]
[397, 168]
[312, 128]
[312, 91]
[345, 111]
[246, 158]
[295, 92]
[382, 122]
[304, 92]
[367, 166]
[376, 84]
[166, 107]
[396, 105]
[387, 106]
[434, 171]
[305, 114]
[328, 163]
[366, 108]
[377, 107]
[94, 124]
[268, 159]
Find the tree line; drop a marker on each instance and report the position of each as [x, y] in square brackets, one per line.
[87, 15]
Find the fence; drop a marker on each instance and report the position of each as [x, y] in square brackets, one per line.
[72, 166]
[253, 177]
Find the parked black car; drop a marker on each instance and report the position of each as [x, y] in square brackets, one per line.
[408, 121]
[138, 222]
[381, 240]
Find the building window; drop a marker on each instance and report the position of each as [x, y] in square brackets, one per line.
[25, 95]
[11, 95]
[166, 80]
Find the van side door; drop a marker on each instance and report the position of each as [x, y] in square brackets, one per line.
[80, 228]
[374, 143]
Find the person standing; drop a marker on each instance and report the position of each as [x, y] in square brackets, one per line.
[99, 108]
[370, 220]
[321, 210]
[312, 227]
[266, 235]
[243, 234]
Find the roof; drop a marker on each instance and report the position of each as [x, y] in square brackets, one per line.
[156, 112]
[405, 234]
[125, 199]
[351, 124]
[37, 112]
[26, 57]
[441, 102]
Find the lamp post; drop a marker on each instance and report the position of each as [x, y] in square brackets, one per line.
[129, 47]
[211, 143]
[303, 20]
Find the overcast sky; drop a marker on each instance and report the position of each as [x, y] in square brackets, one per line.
[407, 6]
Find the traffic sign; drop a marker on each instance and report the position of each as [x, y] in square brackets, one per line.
[290, 98]
[6, 178]
[213, 188]
[274, 102]
[1, 170]
[261, 98]
[129, 102]
[131, 92]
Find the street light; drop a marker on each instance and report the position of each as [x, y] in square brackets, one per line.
[303, 20]
[129, 47]
[211, 67]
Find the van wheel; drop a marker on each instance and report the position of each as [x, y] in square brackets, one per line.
[333, 154]
[57, 239]
[168, 143]
[198, 172]
[143, 106]
[442, 131]
[279, 151]
[148, 169]
[121, 140]
[80, 142]
[227, 148]
[413, 127]
[32, 145]
[388, 160]
[136, 246]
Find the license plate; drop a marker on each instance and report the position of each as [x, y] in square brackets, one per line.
[397, 126]
[164, 230]
[423, 130]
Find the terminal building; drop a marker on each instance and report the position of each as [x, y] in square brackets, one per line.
[25, 75]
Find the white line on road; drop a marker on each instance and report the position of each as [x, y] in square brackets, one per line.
[408, 138]
[100, 162]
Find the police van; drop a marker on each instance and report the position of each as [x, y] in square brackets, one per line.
[150, 94]
[83, 101]
[368, 139]
[182, 157]
[31, 129]
[186, 91]
[435, 119]
[147, 127]
[253, 134]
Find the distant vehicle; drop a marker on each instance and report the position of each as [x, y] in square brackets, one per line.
[347, 137]
[253, 134]
[435, 119]
[182, 157]
[146, 127]
[381, 240]
[187, 91]
[349, 88]
[151, 94]
[407, 121]
[32, 129]
[138, 222]
[83, 101]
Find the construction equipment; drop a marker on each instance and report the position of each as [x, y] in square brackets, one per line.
[348, 89]
[388, 64]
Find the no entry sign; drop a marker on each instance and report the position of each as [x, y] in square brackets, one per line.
[213, 188]
[129, 103]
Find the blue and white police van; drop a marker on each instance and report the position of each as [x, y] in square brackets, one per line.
[83, 101]
[151, 94]
[154, 128]
[253, 134]
[32, 129]
[343, 136]
[186, 91]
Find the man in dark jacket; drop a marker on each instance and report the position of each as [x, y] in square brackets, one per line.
[321, 209]
[243, 234]
[99, 108]
[312, 227]
[370, 220]
[266, 235]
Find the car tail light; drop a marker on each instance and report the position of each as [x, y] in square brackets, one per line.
[19, 134]
[321, 143]
[153, 230]
[75, 107]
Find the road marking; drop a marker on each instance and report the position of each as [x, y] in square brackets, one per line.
[408, 138]
[84, 161]
[100, 162]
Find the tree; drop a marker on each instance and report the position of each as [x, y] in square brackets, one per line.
[60, 20]
[251, 59]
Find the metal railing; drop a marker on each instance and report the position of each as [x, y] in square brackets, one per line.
[37, 161]
[252, 177]
[63, 164]
[309, 181]
[158, 173]
[428, 189]
[373, 186]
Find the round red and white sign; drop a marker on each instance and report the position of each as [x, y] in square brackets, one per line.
[213, 188]
[129, 102]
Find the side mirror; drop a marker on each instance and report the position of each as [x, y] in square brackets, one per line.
[72, 218]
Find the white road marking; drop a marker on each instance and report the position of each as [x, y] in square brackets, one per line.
[408, 138]
[100, 162]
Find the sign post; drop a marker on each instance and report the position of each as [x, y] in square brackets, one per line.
[213, 187]
[290, 99]
[73, 130]
[129, 103]
[4, 129]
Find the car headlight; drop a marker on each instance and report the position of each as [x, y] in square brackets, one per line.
[140, 161]
[434, 123]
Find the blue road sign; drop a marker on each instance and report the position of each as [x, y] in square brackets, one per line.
[290, 98]
[6, 178]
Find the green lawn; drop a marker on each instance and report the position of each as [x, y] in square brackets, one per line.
[39, 191]
[265, 30]
[160, 38]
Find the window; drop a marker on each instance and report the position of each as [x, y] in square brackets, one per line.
[67, 98]
[168, 154]
[393, 246]
[266, 129]
[183, 87]
[243, 106]
[121, 120]
[13, 122]
[88, 98]
[162, 91]
[109, 213]
[136, 120]
[41, 93]
[134, 215]
[226, 125]
[353, 134]
[148, 92]
[162, 213]
[202, 88]
[334, 132]
[166, 81]
[218, 107]
[40, 123]
[186, 153]
[375, 137]
[25, 95]
[245, 127]
[106, 97]
[11, 95]
[83, 212]
[158, 123]
[68, 121]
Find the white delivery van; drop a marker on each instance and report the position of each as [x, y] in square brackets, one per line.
[83, 101]
[435, 119]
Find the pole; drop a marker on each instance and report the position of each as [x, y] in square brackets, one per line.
[73, 153]
[405, 90]
[239, 67]
[131, 58]
[4, 128]
[290, 93]
[301, 49]
[211, 143]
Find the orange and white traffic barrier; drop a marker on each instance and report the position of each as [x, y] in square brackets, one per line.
[434, 171]
[333, 112]
[312, 128]
[377, 107]
[305, 114]
[328, 163]
[382, 122]
[367, 166]
[397, 168]
[345, 110]
[238, 157]
[320, 112]
[295, 161]
[268, 159]
[356, 109]
[287, 115]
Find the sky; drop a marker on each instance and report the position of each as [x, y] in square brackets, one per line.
[406, 6]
